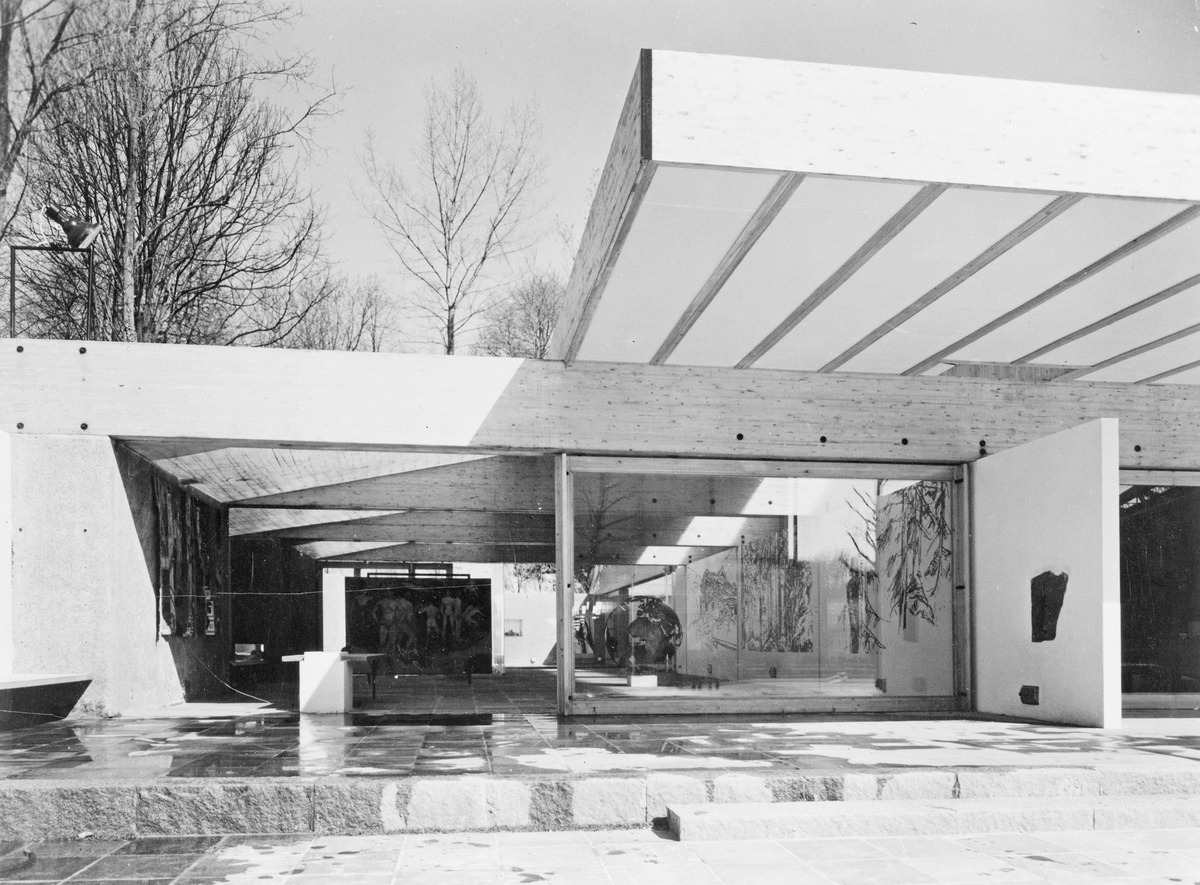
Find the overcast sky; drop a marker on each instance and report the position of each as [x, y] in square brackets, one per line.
[576, 58]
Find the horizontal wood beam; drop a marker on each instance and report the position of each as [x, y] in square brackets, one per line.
[823, 119]
[525, 528]
[268, 397]
[607, 505]
[744, 468]
[502, 553]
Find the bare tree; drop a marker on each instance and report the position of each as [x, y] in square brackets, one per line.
[522, 324]
[207, 235]
[33, 39]
[353, 315]
[465, 209]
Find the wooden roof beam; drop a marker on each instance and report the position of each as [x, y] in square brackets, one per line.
[890, 229]
[771, 206]
[1030, 226]
[1139, 242]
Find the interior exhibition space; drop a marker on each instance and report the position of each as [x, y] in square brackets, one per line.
[874, 392]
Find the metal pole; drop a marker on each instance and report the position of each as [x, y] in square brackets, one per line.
[91, 293]
[564, 520]
[12, 292]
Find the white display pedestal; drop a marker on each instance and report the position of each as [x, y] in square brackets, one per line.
[326, 682]
[647, 680]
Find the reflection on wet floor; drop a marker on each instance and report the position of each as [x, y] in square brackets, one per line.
[287, 745]
[608, 856]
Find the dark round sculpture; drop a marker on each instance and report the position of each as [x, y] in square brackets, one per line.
[653, 635]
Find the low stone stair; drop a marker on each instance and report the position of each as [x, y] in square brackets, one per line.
[695, 804]
[807, 820]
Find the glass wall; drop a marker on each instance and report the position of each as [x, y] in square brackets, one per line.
[1160, 589]
[711, 587]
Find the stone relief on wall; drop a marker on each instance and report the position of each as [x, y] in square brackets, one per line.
[1046, 593]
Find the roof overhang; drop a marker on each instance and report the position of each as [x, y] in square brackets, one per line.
[771, 214]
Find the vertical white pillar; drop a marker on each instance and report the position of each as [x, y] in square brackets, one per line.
[6, 532]
[333, 608]
[564, 531]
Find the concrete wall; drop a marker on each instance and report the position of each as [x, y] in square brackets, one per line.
[1049, 505]
[535, 610]
[82, 597]
[6, 589]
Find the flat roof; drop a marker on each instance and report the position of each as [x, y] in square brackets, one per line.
[831, 219]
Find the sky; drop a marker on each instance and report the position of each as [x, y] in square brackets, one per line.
[576, 58]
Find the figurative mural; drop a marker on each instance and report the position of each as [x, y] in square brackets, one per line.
[423, 625]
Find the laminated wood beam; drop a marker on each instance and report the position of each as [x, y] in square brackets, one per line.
[754, 113]
[305, 399]
[525, 528]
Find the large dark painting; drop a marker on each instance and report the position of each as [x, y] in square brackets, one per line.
[423, 625]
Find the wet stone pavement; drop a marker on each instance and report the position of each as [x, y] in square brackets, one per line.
[612, 858]
[286, 745]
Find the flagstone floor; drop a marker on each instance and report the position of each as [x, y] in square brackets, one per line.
[243, 741]
[612, 858]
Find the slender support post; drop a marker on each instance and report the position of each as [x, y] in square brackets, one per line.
[12, 292]
[961, 609]
[91, 302]
[564, 530]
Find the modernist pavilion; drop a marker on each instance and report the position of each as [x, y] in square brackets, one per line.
[873, 391]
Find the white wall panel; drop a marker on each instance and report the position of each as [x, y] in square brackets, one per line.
[1049, 505]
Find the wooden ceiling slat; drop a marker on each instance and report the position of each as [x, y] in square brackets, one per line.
[1131, 353]
[1178, 370]
[1171, 224]
[1181, 286]
[771, 206]
[890, 229]
[1030, 226]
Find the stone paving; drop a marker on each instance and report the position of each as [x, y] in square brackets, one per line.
[613, 858]
[250, 771]
[247, 743]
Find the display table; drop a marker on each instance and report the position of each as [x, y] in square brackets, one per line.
[326, 681]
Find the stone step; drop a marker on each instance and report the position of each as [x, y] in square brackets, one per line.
[61, 808]
[807, 820]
